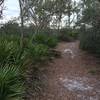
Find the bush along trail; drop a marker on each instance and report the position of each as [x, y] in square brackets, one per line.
[19, 67]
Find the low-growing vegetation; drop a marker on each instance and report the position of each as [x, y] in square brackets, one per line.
[13, 61]
[11, 83]
[48, 40]
[68, 35]
[89, 41]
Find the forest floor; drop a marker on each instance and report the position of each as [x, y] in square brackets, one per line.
[72, 79]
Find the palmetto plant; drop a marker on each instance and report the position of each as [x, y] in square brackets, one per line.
[3, 52]
[11, 85]
[10, 52]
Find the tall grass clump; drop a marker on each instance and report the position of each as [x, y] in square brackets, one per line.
[10, 51]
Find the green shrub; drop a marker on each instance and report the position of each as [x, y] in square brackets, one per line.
[50, 41]
[11, 85]
[64, 37]
[68, 34]
[4, 52]
[90, 41]
[73, 34]
[37, 52]
[39, 38]
[10, 28]
[10, 51]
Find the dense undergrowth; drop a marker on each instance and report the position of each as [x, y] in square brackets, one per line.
[68, 35]
[90, 41]
[14, 61]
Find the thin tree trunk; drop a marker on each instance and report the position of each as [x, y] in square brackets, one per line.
[22, 23]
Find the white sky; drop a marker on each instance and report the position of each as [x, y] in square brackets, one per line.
[11, 10]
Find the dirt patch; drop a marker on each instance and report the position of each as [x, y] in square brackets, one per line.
[76, 84]
[81, 86]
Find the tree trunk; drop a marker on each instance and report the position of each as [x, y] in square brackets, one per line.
[22, 23]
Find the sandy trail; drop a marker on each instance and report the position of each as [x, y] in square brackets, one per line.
[69, 79]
